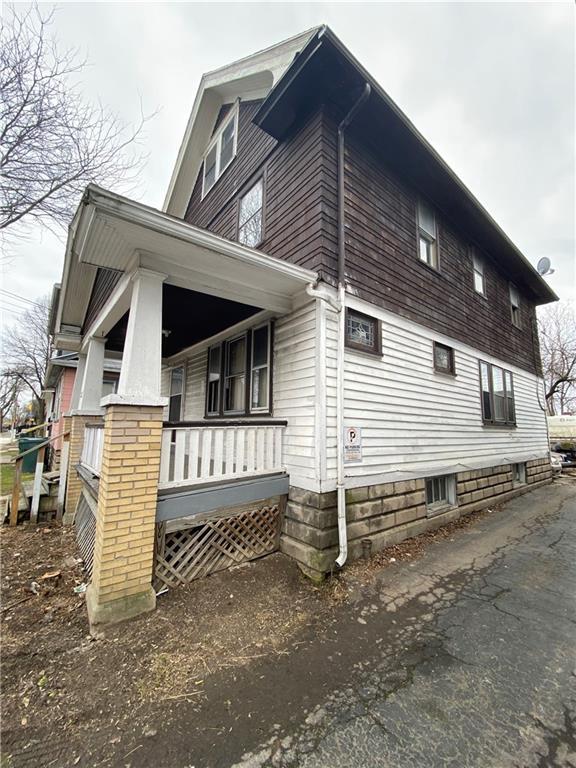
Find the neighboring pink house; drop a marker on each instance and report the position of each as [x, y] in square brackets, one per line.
[58, 395]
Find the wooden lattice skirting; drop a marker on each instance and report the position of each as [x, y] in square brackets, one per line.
[213, 545]
[85, 527]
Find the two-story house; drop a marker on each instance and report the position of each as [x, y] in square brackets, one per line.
[328, 344]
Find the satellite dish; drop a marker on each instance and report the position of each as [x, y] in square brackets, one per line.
[543, 266]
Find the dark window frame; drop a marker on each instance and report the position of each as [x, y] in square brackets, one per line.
[349, 344]
[247, 410]
[262, 177]
[451, 371]
[492, 421]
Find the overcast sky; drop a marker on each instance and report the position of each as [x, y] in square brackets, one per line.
[490, 85]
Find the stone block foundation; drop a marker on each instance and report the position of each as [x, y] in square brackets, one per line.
[124, 548]
[389, 513]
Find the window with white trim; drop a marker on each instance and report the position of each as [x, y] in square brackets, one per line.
[440, 493]
[519, 474]
[176, 398]
[221, 151]
[515, 305]
[250, 216]
[479, 276]
[427, 235]
[497, 394]
[260, 369]
[239, 374]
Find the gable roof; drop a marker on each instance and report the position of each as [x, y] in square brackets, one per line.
[313, 68]
[249, 78]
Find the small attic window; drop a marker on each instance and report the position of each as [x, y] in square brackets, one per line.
[221, 151]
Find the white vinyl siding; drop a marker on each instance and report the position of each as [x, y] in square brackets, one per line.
[295, 362]
[415, 423]
[294, 379]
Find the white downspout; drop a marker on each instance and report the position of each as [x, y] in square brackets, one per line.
[339, 306]
[340, 489]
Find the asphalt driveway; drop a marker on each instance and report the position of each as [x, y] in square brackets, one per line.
[460, 652]
[467, 658]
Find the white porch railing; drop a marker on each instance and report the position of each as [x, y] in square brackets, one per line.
[91, 456]
[199, 454]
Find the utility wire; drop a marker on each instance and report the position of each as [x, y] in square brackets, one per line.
[20, 298]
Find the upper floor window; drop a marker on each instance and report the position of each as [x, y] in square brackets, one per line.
[479, 276]
[515, 305]
[497, 389]
[427, 236]
[176, 394]
[221, 151]
[239, 374]
[362, 332]
[250, 216]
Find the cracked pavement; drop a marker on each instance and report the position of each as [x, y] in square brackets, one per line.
[465, 658]
[461, 658]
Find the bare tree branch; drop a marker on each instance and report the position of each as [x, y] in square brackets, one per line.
[26, 351]
[53, 143]
[557, 331]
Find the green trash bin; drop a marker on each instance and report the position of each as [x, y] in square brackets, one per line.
[24, 444]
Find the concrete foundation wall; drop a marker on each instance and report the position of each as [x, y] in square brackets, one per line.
[389, 513]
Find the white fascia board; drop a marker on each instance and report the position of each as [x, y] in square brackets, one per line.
[68, 341]
[242, 79]
[133, 212]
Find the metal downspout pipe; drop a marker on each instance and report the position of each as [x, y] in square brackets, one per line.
[341, 491]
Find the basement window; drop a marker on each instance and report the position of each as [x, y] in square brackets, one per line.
[427, 235]
[440, 493]
[363, 332]
[519, 474]
[221, 151]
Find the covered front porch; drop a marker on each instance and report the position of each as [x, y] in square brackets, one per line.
[173, 447]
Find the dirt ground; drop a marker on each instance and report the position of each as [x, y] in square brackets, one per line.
[71, 699]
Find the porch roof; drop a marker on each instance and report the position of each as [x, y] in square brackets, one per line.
[113, 232]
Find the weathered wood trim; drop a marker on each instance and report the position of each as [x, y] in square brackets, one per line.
[192, 502]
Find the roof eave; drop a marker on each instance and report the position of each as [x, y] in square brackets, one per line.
[541, 291]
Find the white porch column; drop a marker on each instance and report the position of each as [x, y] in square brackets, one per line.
[142, 358]
[78, 379]
[91, 391]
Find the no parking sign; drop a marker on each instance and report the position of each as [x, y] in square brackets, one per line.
[352, 445]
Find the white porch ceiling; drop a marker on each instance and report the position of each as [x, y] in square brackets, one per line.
[117, 233]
